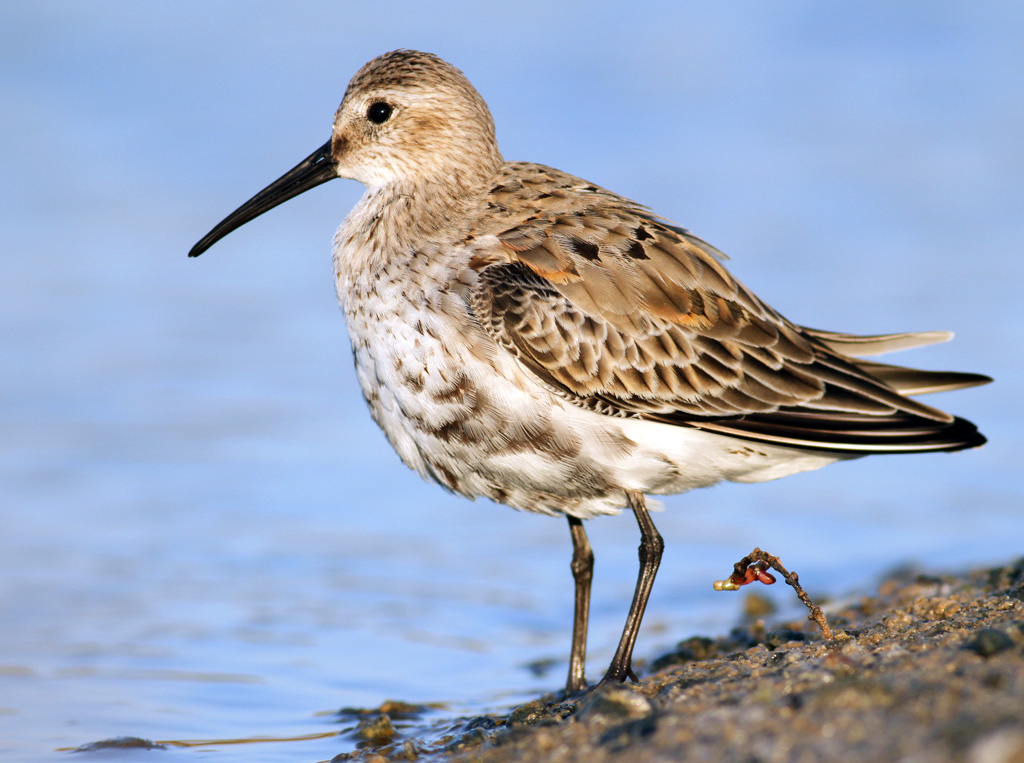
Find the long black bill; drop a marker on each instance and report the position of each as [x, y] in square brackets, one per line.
[317, 168]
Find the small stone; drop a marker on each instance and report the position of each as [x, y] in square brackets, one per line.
[774, 639]
[121, 743]
[1004, 746]
[898, 621]
[470, 739]
[692, 649]
[529, 714]
[377, 731]
[697, 648]
[757, 605]
[615, 703]
[990, 641]
[395, 708]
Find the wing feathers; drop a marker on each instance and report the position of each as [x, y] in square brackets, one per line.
[621, 312]
[879, 344]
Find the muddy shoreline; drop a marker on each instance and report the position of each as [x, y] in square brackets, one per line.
[926, 668]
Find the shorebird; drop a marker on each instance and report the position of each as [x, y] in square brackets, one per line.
[530, 337]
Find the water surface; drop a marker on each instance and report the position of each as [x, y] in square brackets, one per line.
[202, 534]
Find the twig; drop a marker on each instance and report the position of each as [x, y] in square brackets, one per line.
[754, 567]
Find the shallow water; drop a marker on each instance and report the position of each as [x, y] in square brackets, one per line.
[203, 536]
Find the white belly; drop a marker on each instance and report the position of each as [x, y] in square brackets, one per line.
[464, 413]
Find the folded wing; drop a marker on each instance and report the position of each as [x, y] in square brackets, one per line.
[622, 313]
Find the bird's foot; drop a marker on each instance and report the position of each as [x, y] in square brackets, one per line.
[616, 676]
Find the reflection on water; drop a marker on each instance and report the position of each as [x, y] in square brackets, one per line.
[202, 535]
[393, 727]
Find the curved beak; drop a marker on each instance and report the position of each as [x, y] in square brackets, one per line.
[317, 168]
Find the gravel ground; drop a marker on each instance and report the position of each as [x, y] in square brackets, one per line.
[928, 668]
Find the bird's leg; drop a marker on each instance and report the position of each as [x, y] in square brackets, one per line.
[582, 573]
[651, 547]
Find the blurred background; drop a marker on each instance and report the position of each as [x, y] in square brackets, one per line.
[202, 534]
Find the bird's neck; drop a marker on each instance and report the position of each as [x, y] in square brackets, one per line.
[401, 216]
[397, 222]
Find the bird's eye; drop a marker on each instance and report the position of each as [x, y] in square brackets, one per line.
[379, 112]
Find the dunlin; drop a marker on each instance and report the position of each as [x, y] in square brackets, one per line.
[527, 336]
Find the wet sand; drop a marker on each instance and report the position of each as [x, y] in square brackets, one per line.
[927, 668]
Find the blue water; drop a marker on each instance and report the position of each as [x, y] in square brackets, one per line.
[203, 536]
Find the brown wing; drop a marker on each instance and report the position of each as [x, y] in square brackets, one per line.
[620, 312]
